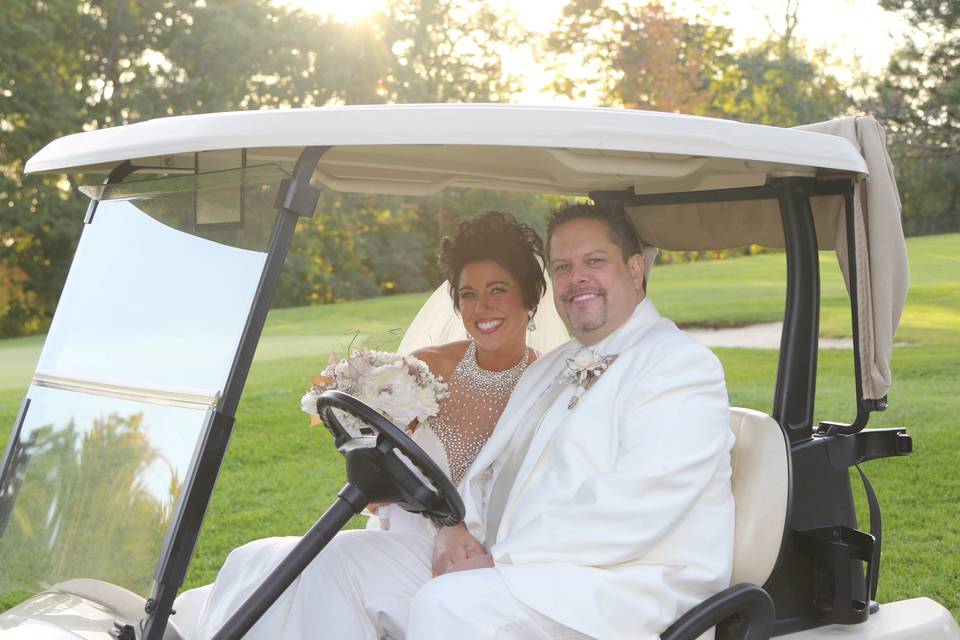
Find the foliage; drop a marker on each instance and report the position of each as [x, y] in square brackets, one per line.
[71, 65]
[780, 82]
[358, 246]
[675, 257]
[918, 99]
[445, 51]
[637, 56]
[779, 85]
[646, 56]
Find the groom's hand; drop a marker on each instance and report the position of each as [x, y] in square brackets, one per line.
[454, 545]
[477, 561]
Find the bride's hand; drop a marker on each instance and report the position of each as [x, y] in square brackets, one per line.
[453, 546]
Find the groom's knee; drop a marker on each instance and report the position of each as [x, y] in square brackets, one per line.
[436, 608]
[454, 604]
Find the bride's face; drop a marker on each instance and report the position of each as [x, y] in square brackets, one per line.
[491, 305]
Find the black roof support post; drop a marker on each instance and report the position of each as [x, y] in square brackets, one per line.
[296, 198]
[793, 401]
[118, 174]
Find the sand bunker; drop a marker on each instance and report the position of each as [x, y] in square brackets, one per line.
[756, 336]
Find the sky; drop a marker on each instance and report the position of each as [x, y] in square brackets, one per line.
[858, 34]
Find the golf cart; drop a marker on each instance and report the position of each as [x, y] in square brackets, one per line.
[114, 454]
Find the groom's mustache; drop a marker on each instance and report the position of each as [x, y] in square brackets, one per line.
[573, 293]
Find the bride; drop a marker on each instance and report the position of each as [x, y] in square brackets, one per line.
[495, 280]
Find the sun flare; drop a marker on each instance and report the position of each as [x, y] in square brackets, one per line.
[341, 10]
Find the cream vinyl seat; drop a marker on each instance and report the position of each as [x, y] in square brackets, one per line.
[761, 493]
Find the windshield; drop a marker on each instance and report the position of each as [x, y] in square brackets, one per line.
[136, 358]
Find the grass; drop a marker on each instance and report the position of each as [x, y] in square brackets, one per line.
[279, 475]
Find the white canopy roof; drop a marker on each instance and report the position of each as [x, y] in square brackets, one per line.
[421, 149]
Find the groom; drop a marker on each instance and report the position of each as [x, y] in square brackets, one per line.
[601, 506]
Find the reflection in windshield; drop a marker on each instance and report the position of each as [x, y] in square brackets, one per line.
[92, 489]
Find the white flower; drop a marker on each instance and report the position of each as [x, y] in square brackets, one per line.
[308, 403]
[585, 359]
[584, 369]
[402, 388]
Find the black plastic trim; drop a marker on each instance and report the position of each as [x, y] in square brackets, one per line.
[6, 510]
[795, 390]
[118, 174]
[741, 612]
[296, 194]
[847, 451]
[185, 528]
[837, 552]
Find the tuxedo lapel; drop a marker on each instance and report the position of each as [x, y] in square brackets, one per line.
[553, 417]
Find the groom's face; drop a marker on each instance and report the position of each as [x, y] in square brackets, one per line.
[594, 288]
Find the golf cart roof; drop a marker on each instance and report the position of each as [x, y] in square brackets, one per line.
[421, 149]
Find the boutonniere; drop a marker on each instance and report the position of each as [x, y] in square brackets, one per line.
[583, 370]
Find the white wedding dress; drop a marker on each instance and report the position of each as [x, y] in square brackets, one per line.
[199, 614]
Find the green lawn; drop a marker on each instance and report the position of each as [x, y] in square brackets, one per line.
[279, 475]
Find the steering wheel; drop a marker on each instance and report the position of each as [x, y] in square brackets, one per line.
[388, 466]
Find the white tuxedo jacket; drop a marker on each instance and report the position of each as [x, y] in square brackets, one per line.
[621, 515]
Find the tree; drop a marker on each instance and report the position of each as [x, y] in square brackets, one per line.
[780, 83]
[70, 65]
[918, 99]
[775, 85]
[634, 56]
[445, 51]
[646, 57]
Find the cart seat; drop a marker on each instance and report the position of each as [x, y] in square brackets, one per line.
[761, 490]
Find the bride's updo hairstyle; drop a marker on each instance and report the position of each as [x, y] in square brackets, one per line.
[499, 237]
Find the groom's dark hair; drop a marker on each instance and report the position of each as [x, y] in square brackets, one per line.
[499, 237]
[613, 214]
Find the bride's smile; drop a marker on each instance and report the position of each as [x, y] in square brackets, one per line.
[488, 326]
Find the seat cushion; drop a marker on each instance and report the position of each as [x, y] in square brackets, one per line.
[761, 490]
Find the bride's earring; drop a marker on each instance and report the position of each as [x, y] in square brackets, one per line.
[531, 323]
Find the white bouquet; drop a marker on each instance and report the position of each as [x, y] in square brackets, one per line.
[399, 387]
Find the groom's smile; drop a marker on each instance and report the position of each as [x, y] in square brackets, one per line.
[584, 297]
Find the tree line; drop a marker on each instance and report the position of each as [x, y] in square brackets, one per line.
[73, 65]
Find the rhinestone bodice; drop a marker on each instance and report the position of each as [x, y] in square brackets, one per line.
[470, 412]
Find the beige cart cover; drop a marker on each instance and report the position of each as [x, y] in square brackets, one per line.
[882, 270]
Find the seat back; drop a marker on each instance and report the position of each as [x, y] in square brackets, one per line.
[761, 491]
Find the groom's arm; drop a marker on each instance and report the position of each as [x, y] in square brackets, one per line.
[673, 434]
